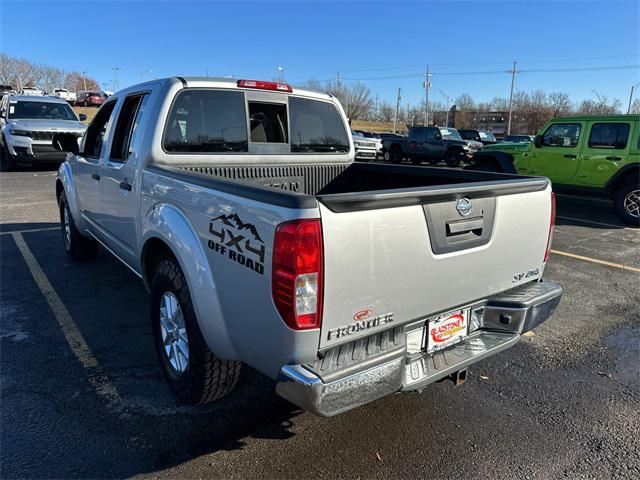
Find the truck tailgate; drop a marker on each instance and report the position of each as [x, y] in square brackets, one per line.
[393, 265]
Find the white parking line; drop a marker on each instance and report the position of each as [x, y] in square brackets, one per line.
[29, 230]
[600, 224]
[596, 261]
[72, 335]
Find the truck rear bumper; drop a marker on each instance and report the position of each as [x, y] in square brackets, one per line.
[500, 321]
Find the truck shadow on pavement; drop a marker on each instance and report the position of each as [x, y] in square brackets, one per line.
[146, 430]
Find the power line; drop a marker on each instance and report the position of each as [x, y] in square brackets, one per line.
[491, 72]
[505, 63]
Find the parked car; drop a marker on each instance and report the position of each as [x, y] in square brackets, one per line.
[517, 138]
[27, 125]
[482, 136]
[372, 136]
[32, 91]
[589, 154]
[64, 94]
[366, 148]
[260, 240]
[90, 98]
[432, 144]
[6, 90]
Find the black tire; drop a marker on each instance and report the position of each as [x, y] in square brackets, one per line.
[85, 104]
[77, 246]
[395, 154]
[627, 202]
[7, 160]
[454, 158]
[205, 377]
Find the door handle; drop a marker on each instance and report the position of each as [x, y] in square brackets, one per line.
[570, 155]
[124, 185]
[614, 158]
[95, 176]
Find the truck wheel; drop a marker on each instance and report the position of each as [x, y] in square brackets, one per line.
[195, 374]
[453, 158]
[627, 202]
[395, 154]
[77, 246]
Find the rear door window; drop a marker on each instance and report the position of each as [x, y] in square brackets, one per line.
[316, 127]
[126, 127]
[206, 121]
[609, 135]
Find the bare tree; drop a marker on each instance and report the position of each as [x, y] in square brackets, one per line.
[465, 102]
[355, 99]
[635, 106]
[499, 104]
[600, 107]
[75, 81]
[386, 111]
[560, 103]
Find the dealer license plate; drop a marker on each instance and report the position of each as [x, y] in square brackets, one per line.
[447, 329]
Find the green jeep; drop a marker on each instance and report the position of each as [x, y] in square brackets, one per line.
[597, 154]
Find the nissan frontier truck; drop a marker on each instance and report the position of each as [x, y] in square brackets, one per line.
[261, 242]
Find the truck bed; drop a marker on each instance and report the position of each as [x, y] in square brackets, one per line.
[343, 187]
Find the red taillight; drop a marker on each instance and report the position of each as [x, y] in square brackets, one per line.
[296, 283]
[278, 87]
[552, 224]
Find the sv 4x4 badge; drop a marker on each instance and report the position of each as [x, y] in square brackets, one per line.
[240, 242]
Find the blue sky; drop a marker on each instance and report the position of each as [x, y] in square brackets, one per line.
[361, 40]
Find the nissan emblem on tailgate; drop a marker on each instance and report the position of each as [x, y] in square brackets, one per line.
[464, 206]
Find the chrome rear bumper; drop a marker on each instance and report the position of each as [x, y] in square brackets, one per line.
[499, 322]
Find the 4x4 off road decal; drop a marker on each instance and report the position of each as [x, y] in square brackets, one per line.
[238, 241]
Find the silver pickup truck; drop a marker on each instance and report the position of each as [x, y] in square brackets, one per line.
[261, 242]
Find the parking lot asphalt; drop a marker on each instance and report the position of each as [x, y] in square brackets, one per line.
[82, 395]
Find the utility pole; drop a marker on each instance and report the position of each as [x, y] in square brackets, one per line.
[84, 79]
[338, 81]
[513, 84]
[427, 85]
[631, 97]
[447, 106]
[601, 100]
[395, 118]
[116, 87]
[375, 108]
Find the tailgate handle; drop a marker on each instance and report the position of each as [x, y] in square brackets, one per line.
[459, 227]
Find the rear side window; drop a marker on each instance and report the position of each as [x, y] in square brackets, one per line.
[609, 135]
[316, 127]
[562, 135]
[206, 121]
[126, 126]
[431, 133]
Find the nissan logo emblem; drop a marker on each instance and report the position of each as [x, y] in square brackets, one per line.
[464, 206]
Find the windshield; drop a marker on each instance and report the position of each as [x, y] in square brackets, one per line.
[50, 110]
[487, 136]
[450, 133]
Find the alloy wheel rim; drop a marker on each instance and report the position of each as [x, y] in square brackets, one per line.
[174, 333]
[67, 226]
[632, 203]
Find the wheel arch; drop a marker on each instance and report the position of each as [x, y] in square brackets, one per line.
[166, 230]
[622, 175]
[502, 160]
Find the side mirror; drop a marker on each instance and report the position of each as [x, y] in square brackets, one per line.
[82, 117]
[66, 142]
[537, 141]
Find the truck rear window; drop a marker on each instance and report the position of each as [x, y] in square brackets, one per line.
[207, 121]
[316, 127]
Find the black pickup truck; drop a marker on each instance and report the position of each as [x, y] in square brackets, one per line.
[432, 144]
